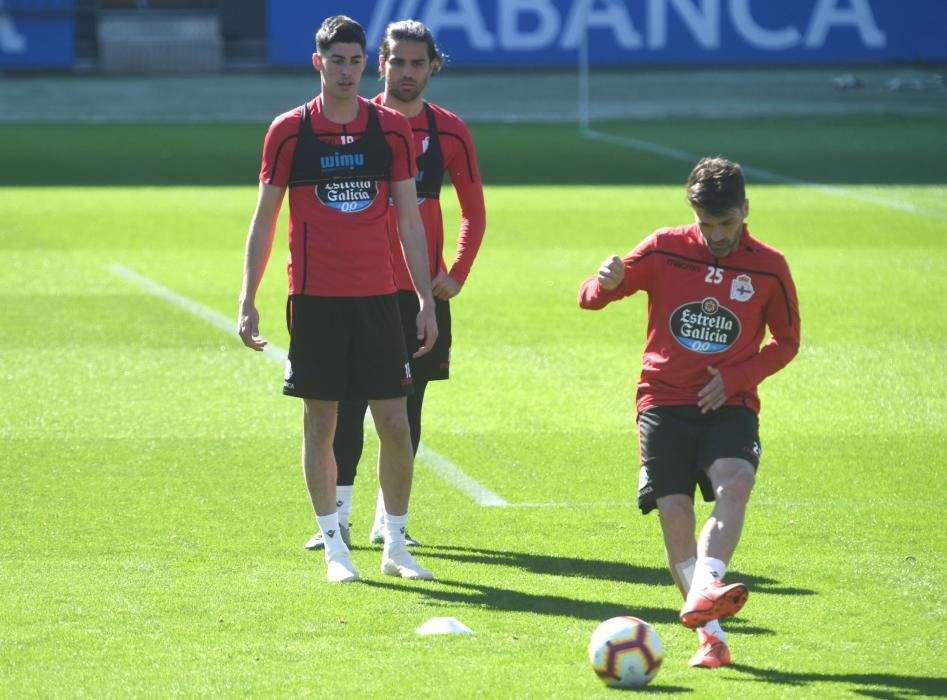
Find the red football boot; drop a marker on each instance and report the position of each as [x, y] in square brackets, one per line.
[713, 602]
[713, 652]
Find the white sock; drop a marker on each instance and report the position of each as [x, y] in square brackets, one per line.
[707, 570]
[685, 571]
[343, 503]
[379, 512]
[713, 627]
[329, 526]
[395, 527]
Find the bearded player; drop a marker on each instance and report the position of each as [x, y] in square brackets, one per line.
[713, 291]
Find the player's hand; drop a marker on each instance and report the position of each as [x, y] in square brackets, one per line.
[248, 327]
[611, 274]
[427, 329]
[444, 286]
[714, 393]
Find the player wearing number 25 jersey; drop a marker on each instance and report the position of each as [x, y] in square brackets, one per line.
[704, 310]
[713, 292]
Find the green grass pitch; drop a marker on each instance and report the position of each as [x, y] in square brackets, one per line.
[152, 509]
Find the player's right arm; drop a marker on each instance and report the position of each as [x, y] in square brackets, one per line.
[414, 249]
[618, 277]
[259, 246]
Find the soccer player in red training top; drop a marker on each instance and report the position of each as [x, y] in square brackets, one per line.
[342, 157]
[408, 57]
[713, 290]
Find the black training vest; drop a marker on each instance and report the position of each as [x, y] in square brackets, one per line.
[352, 169]
[430, 163]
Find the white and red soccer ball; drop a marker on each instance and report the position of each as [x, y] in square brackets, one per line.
[625, 652]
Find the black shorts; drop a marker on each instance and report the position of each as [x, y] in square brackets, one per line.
[435, 364]
[345, 348]
[679, 443]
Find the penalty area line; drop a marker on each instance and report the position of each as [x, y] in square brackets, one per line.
[192, 307]
[440, 465]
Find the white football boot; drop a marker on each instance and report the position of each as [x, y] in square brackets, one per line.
[396, 560]
[340, 569]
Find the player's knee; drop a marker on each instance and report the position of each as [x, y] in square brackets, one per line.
[392, 426]
[319, 421]
[675, 507]
[734, 480]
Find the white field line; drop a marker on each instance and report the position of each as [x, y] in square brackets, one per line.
[677, 154]
[228, 325]
[855, 502]
[441, 466]
[818, 503]
[456, 478]
[580, 504]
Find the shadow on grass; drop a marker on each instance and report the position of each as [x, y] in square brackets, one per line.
[507, 600]
[896, 687]
[457, 593]
[593, 568]
[481, 595]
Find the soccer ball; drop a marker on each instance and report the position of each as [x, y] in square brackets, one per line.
[626, 652]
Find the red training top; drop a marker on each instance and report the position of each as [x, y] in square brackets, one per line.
[339, 195]
[451, 147]
[704, 310]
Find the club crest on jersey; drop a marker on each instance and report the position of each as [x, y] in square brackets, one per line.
[705, 326]
[348, 196]
[741, 289]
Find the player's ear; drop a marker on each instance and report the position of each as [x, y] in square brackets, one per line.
[317, 61]
[746, 208]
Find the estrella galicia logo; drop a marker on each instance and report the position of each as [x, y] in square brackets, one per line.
[341, 161]
[705, 326]
[348, 196]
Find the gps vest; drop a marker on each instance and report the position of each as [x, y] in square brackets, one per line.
[346, 174]
[431, 162]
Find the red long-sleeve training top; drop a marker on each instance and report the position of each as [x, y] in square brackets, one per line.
[703, 311]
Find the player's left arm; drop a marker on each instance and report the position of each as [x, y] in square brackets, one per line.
[404, 193]
[461, 163]
[781, 315]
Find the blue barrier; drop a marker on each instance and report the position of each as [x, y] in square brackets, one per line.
[637, 32]
[37, 34]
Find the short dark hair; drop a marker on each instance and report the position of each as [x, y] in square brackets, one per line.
[411, 30]
[339, 29]
[716, 185]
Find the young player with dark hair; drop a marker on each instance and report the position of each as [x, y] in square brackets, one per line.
[408, 58]
[713, 291]
[342, 158]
